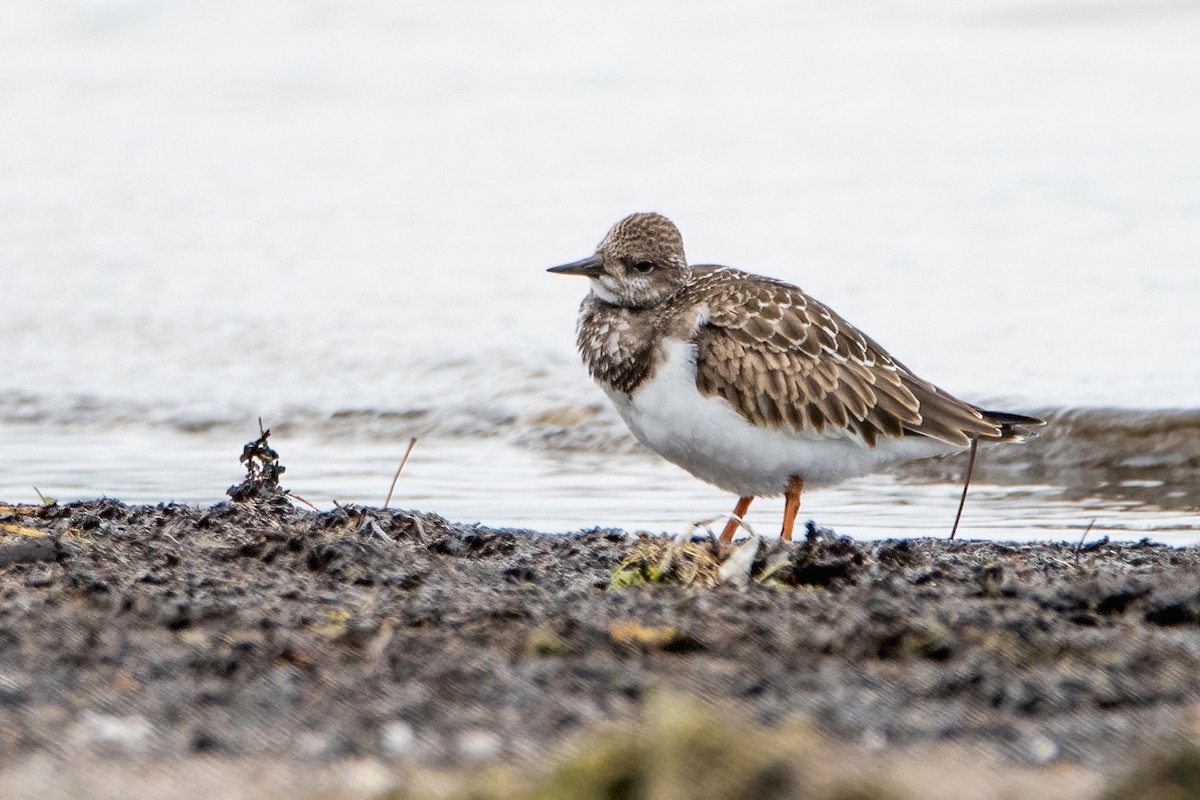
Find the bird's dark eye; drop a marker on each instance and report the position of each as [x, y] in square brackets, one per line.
[643, 266]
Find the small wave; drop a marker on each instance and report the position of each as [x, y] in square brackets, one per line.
[1141, 454]
[90, 412]
[1105, 439]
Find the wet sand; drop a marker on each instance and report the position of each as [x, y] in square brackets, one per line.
[207, 646]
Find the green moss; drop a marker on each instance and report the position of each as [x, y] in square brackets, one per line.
[636, 574]
[655, 560]
[682, 749]
[1172, 774]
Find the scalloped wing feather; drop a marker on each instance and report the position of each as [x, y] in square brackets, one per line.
[784, 360]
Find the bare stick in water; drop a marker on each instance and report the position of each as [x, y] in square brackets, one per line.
[962, 501]
[396, 477]
[1086, 531]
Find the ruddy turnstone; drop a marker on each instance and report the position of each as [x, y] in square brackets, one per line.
[749, 383]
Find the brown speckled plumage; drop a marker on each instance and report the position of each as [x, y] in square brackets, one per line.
[779, 357]
[823, 401]
[784, 360]
[622, 346]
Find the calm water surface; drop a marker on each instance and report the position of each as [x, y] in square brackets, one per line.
[337, 218]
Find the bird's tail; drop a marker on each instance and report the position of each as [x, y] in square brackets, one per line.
[1014, 427]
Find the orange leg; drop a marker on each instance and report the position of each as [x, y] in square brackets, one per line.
[739, 511]
[791, 506]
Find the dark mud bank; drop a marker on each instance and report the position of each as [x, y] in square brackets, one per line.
[262, 629]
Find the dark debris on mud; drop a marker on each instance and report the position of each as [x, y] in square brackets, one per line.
[263, 629]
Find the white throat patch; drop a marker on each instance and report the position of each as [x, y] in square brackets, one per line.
[604, 293]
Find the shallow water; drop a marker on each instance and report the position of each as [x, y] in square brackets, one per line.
[503, 485]
[337, 218]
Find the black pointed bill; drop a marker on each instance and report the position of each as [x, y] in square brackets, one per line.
[589, 267]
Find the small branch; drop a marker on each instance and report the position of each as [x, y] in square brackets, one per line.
[1081, 548]
[295, 496]
[421, 537]
[412, 443]
[378, 531]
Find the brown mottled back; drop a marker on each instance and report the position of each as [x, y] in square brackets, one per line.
[784, 360]
[780, 358]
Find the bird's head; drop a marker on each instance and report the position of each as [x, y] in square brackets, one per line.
[639, 264]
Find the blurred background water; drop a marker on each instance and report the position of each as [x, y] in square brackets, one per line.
[336, 216]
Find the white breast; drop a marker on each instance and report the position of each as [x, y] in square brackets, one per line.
[709, 439]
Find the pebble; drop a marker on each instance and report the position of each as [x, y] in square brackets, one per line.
[397, 738]
[479, 745]
[1041, 749]
[132, 733]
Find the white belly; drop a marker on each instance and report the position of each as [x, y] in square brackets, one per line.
[705, 436]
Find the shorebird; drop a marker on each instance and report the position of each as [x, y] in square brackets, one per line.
[750, 384]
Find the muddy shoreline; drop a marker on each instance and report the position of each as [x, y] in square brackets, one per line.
[261, 630]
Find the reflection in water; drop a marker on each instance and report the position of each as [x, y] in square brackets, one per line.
[1137, 458]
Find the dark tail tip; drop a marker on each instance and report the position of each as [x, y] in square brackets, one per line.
[1014, 426]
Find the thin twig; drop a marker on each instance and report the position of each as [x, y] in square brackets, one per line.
[295, 496]
[378, 531]
[412, 443]
[41, 496]
[704, 523]
[962, 501]
[1083, 538]
[707, 523]
[714, 543]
